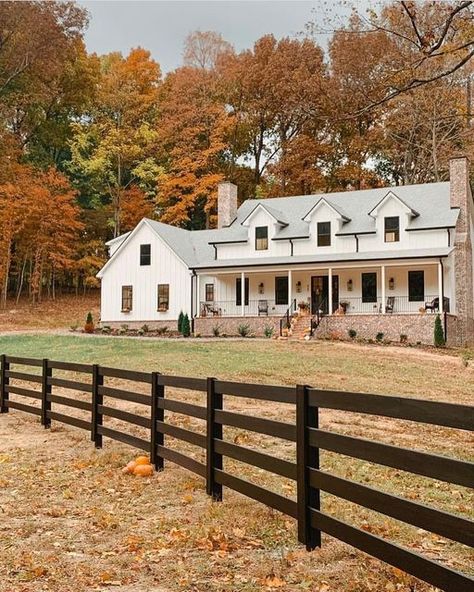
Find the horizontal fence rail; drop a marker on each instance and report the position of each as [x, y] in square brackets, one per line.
[36, 381]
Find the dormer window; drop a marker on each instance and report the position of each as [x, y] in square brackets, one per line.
[324, 234]
[392, 229]
[261, 238]
[145, 254]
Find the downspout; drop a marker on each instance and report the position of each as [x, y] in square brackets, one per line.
[449, 237]
[192, 299]
[445, 322]
[357, 242]
[291, 243]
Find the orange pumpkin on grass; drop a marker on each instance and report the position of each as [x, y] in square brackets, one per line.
[142, 460]
[130, 467]
[143, 470]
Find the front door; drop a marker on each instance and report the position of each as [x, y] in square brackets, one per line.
[320, 293]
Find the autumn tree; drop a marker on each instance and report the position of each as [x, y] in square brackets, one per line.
[272, 90]
[192, 133]
[116, 146]
[204, 49]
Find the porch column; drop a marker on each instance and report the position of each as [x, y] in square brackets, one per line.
[242, 292]
[198, 295]
[330, 290]
[440, 288]
[383, 289]
[290, 291]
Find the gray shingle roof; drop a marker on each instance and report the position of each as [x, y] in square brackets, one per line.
[431, 201]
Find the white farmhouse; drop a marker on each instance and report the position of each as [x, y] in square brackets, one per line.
[372, 261]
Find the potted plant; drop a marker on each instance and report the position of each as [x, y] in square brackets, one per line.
[303, 307]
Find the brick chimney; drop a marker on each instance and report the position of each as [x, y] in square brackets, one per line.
[460, 190]
[461, 197]
[226, 203]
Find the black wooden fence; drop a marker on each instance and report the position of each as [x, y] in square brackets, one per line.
[309, 439]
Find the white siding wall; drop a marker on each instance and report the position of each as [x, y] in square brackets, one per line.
[165, 268]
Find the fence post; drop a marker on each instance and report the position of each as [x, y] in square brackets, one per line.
[97, 399]
[4, 366]
[45, 391]
[157, 414]
[307, 457]
[214, 430]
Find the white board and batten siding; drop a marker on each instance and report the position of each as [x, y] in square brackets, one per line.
[125, 270]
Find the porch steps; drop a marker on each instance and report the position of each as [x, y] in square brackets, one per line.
[299, 327]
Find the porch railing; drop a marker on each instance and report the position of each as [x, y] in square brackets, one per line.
[252, 308]
[392, 304]
[315, 319]
[285, 321]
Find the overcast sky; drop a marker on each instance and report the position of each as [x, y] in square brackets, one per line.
[161, 26]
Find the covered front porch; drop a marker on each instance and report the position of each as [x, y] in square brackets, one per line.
[411, 287]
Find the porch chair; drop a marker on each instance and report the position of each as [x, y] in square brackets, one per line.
[263, 307]
[433, 306]
[210, 309]
[390, 304]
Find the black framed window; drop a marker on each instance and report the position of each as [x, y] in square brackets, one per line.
[163, 297]
[209, 292]
[416, 286]
[238, 291]
[281, 290]
[145, 254]
[261, 238]
[369, 287]
[392, 229]
[324, 234]
[127, 298]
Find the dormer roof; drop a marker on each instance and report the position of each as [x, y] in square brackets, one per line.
[278, 216]
[391, 195]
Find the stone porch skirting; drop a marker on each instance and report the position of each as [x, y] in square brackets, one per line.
[230, 325]
[416, 328]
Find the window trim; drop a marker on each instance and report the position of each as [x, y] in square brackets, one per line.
[325, 235]
[145, 255]
[162, 308]
[368, 299]
[395, 231]
[206, 288]
[128, 298]
[261, 246]
[410, 292]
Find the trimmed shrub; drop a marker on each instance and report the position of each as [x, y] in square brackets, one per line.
[243, 330]
[439, 340]
[185, 326]
[403, 338]
[352, 333]
[89, 326]
[145, 328]
[379, 337]
[268, 331]
[162, 330]
[216, 330]
[180, 322]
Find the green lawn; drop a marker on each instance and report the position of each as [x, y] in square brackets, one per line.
[379, 369]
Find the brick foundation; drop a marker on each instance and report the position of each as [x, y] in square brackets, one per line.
[417, 328]
[229, 325]
[135, 325]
